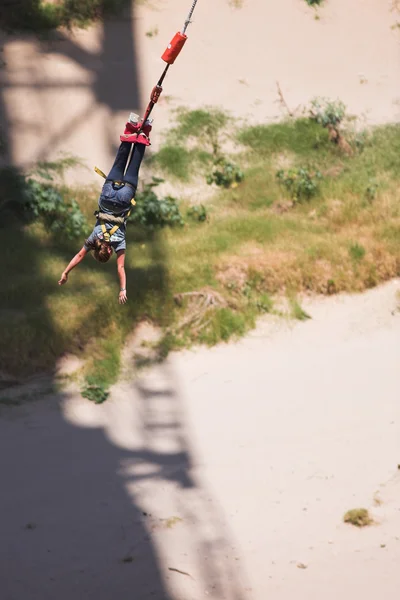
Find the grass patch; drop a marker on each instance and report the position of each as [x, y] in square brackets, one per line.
[204, 124]
[179, 162]
[194, 146]
[357, 252]
[224, 325]
[297, 311]
[359, 517]
[303, 137]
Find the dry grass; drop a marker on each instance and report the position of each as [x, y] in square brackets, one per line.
[359, 517]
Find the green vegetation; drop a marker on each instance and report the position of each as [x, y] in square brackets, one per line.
[225, 174]
[314, 2]
[359, 517]
[152, 212]
[37, 197]
[209, 279]
[297, 311]
[300, 183]
[198, 213]
[152, 32]
[357, 252]
[195, 145]
[39, 16]
[327, 112]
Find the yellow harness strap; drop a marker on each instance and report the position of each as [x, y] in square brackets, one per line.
[107, 234]
[99, 172]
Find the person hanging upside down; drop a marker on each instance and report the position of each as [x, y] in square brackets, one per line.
[115, 203]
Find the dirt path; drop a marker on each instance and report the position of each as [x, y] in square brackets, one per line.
[222, 473]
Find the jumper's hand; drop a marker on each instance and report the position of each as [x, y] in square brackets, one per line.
[122, 297]
[64, 279]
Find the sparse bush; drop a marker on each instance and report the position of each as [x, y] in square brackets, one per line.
[37, 197]
[198, 213]
[265, 303]
[205, 125]
[46, 202]
[314, 2]
[225, 174]
[372, 191]
[359, 517]
[96, 393]
[197, 139]
[327, 112]
[360, 139]
[153, 212]
[301, 183]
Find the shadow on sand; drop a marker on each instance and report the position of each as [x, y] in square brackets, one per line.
[78, 479]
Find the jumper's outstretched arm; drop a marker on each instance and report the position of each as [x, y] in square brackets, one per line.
[122, 298]
[75, 261]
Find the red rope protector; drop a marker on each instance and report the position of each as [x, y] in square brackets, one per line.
[174, 48]
[156, 93]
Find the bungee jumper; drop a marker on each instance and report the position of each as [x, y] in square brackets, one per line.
[116, 199]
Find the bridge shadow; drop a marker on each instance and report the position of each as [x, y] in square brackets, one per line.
[112, 81]
[78, 480]
[105, 501]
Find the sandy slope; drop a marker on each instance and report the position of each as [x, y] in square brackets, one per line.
[233, 466]
[73, 94]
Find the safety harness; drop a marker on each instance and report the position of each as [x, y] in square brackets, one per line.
[113, 219]
[170, 55]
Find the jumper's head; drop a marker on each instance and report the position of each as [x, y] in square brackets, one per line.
[102, 250]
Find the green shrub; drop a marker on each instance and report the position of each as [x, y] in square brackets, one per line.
[152, 212]
[327, 112]
[46, 202]
[97, 393]
[198, 213]
[300, 183]
[265, 303]
[314, 2]
[359, 517]
[225, 174]
[372, 191]
[357, 252]
[37, 197]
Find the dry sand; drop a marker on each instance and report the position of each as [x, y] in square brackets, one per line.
[73, 94]
[222, 473]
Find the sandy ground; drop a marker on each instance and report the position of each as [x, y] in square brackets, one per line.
[72, 94]
[221, 473]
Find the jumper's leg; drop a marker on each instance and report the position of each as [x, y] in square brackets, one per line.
[132, 172]
[118, 168]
